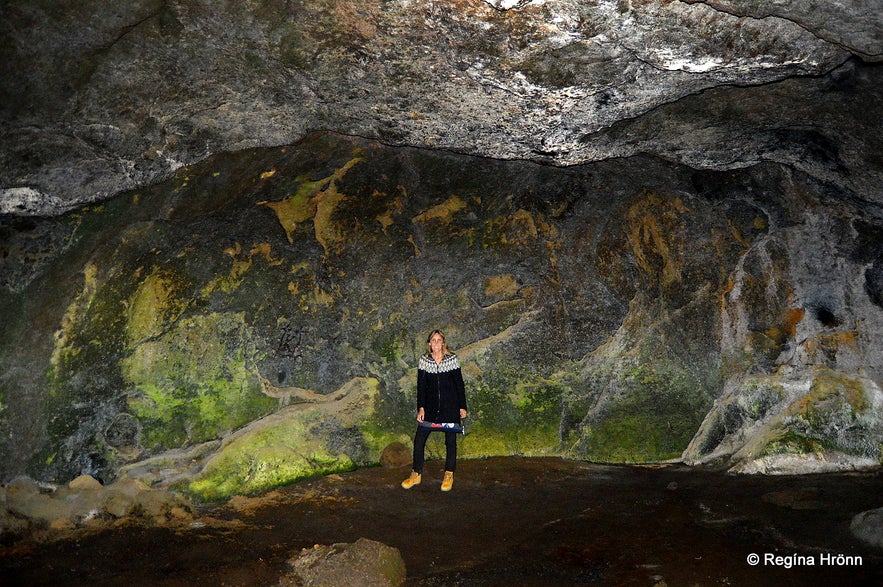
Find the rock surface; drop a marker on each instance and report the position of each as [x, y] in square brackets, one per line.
[868, 527]
[364, 563]
[257, 319]
[137, 91]
[27, 509]
[395, 455]
[676, 253]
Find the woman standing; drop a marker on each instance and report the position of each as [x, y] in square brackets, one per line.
[441, 398]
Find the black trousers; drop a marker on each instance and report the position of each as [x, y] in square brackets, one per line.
[420, 438]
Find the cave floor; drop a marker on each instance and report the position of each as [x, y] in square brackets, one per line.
[508, 521]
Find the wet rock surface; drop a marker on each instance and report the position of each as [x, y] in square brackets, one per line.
[507, 521]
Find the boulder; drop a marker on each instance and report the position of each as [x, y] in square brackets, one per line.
[85, 502]
[41, 507]
[21, 486]
[85, 482]
[868, 527]
[118, 503]
[87, 505]
[395, 455]
[364, 563]
[158, 504]
[130, 487]
[19, 492]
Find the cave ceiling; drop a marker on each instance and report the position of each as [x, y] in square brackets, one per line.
[99, 97]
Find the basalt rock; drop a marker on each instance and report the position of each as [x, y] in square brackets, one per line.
[364, 563]
[651, 229]
[868, 527]
[257, 319]
[98, 98]
[28, 509]
[395, 455]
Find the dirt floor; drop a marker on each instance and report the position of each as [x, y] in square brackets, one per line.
[508, 521]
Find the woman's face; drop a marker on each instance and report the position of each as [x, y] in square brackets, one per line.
[436, 343]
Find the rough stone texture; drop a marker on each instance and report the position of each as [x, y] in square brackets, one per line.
[364, 563]
[395, 455]
[868, 526]
[139, 90]
[810, 387]
[827, 20]
[258, 317]
[85, 502]
[85, 482]
[705, 280]
[306, 439]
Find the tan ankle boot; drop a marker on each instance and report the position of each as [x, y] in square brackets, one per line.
[413, 480]
[448, 481]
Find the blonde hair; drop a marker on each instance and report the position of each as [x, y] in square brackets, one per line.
[445, 350]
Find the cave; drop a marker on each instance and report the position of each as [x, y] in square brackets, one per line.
[649, 229]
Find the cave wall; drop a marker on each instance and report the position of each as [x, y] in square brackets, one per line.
[650, 228]
[258, 317]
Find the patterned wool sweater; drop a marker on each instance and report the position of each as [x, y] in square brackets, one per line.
[440, 389]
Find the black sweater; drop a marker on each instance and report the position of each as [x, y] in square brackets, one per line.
[440, 389]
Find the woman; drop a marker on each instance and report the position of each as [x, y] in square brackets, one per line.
[441, 398]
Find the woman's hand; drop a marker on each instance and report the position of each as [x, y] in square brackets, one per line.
[462, 413]
[421, 415]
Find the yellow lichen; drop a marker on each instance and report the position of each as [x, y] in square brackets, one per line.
[72, 315]
[386, 219]
[306, 202]
[829, 344]
[152, 306]
[500, 286]
[413, 244]
[241, 265]
[298, 208]
[443, 212]
[322, 297]
[517, 229]
[327, 232]
[654, 228]
[828, 384]
[521, 228]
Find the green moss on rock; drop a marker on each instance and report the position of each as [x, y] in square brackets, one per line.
[153, 305]
[514, 410]
[653, 415]
[272, 457]
[785, 441]
[296, 442]
[192, 383]
[837, 414]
